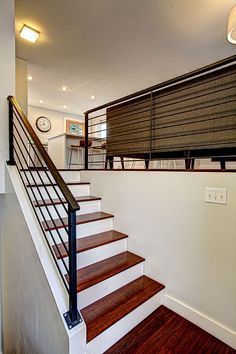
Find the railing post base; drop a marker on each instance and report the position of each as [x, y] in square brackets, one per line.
[69, 323]
[11, 162]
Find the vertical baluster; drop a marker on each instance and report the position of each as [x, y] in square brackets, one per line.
[147, 161]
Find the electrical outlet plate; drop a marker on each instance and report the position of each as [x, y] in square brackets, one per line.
[216, 195]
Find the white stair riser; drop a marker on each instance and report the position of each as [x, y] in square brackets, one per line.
[83, 230]
[96, 254]
[85, 208]
[107, 338]
[105, 287]
[77, 190]
[68, 176]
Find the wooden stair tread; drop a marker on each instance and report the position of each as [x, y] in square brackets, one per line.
[30, 185]
[89, 242]
[164, 331]
[103, 313]
[88, 198]
[80, 219]
[99, 271]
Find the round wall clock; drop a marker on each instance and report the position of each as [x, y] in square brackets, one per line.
[43, 124]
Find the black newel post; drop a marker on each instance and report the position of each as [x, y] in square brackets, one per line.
[72, 317]
[11, 160]
[86, 142]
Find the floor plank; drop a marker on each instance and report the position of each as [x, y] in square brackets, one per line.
[166, 332]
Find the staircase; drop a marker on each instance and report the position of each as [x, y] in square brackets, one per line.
[96, 273]
[113, 293]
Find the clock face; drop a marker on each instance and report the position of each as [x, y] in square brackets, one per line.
[43, 124]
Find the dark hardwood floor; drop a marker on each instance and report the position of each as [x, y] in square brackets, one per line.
[166, 332]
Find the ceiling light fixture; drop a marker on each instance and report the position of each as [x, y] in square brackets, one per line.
[40, 101]
[30, 78]
[231, 31]
[64, 107]
[64, 88]
[30, 34]
[92, 97]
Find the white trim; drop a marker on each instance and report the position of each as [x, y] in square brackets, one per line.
[203, 321]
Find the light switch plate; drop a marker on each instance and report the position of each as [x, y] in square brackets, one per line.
[216, 195]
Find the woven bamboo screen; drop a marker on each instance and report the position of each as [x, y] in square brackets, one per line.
[197, 114]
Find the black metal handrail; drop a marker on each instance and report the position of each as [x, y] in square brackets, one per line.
[46, 158]
[21, 133]
[122, 127]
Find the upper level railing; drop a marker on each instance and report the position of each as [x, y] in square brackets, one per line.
[41, 181]
[190, 116]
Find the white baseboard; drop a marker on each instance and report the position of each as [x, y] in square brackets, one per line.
[211, 326]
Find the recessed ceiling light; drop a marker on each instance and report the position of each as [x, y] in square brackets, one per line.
[92, 97]
[40, 101]
[29, 34]
[30, 78]
[64, 106]
[64, 88]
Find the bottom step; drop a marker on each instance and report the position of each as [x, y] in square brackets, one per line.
[111, 317]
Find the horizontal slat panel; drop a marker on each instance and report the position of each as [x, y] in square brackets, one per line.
[200, 87]
[199, 114]
[204, 140]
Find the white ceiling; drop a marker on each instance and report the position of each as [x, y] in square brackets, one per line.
[110, 48]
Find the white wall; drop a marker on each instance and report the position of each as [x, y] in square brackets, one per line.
[31, 321]
[22, 84]
[7, 76]
[7, 87]
[189, 245]
[56, 117]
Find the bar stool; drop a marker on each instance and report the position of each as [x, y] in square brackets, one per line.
[78, 148]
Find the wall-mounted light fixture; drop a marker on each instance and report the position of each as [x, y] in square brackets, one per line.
[29, 33]
[231, 31]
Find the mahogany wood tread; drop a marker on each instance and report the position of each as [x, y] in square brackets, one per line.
[165, 332]
[90, 242]
[86, 198]
[30, 185]
[80, 219]
[103, 313]
[99, 271]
